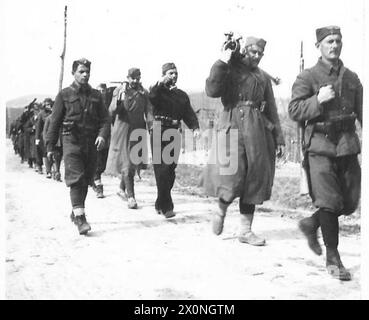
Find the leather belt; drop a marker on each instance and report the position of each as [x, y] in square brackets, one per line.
[168, 121]
[252, 104]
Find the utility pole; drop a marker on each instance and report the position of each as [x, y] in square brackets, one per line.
[62, 56]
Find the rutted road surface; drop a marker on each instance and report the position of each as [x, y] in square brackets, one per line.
[137, 254]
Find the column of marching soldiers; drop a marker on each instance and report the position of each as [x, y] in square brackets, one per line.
[28, 132]
[326, 101]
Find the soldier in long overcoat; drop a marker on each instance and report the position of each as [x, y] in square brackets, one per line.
[132, 110]
[248, 133]
[327, 99]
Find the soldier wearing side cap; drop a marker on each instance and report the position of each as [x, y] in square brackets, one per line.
[79, 110]
[132, 110]
[250, 115]
[40, 143]
[327, 99]
[171, 105]
[102, 155]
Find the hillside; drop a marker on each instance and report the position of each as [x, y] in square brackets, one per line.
[22, 101]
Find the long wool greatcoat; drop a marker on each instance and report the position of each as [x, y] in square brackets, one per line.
[249, 109]
[132, 110]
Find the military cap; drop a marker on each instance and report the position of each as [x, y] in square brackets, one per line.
[134, 72]
[321, 33]
[47, 101]
[257, 41]
[82, 61]
[168, 66]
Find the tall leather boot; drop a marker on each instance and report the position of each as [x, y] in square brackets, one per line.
[309, 227]
[330, 229]
[219, 216]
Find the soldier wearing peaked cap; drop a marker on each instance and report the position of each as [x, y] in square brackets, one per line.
[248, 131]
[328, 98]
[80, 111]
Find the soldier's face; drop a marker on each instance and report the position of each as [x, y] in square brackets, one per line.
[172, 75]
[253, 55]
[330, 47]
[134, 81]
[82, 74]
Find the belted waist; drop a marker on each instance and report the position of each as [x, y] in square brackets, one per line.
[342, 123]
[168, 121]
[252, 104]
[333, 128]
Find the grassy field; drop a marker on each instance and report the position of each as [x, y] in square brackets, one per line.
[286, 193]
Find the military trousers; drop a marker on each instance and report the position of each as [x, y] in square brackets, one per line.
[102, 157]
[80, 157]
[164, 171]
[335, 183]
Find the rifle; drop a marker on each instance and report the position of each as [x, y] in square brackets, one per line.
[301, 146]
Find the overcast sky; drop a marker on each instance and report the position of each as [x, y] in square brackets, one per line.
[116, 35]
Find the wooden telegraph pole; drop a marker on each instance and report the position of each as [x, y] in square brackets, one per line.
[63, 52]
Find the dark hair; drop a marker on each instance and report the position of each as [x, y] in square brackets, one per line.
[81, 61]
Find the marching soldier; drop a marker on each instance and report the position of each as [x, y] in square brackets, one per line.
[327, 99]
[40, 143]
[102, 155]
[80, 112]
[132, 110]
[252, 135]
[170, 106]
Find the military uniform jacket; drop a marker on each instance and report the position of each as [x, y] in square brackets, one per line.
[250, 111]
[173, 104]
[84, 109]
[305, 108]
[40, 124]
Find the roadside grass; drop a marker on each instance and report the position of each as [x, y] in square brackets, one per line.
[285, 194]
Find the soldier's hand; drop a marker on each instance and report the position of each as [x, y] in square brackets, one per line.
[50, 155]
[166, 80]
[280, 151]
[326, 94]
[37, 142]
[99, 143]
[226, 54]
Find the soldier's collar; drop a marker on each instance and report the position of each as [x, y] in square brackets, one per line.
[329, 69]
[81, 89]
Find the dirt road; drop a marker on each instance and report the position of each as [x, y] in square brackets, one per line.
[137, 254]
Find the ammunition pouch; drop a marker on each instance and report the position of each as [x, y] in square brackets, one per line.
[68, 128]
[333, 128]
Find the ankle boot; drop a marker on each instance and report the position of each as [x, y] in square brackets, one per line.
[309, 227]
[335, 266]
[218, 218]
[246, 235]
[82, 224]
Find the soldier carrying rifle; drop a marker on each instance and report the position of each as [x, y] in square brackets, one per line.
[327, 98]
